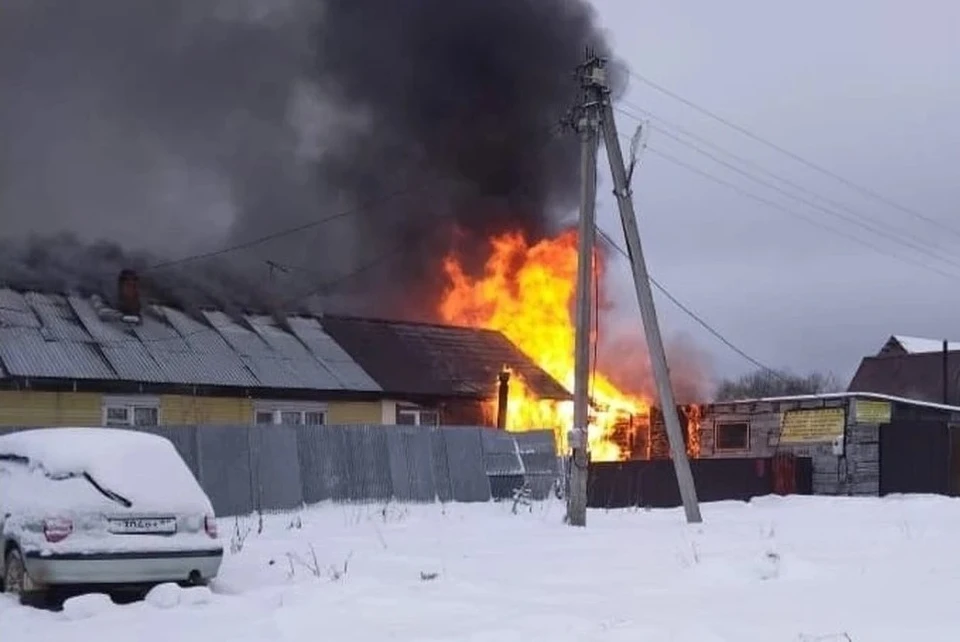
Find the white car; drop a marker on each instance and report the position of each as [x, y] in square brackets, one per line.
[100, 508]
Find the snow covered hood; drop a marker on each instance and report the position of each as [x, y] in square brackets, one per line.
[145, 469]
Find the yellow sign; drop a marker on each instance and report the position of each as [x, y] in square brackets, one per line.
[873, 412]
[802, 426]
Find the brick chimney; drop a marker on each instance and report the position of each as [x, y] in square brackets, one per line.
[128, 295]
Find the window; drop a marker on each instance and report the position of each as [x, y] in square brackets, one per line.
[414, 416]
[732, 436]
[131, 411]
[290, 414]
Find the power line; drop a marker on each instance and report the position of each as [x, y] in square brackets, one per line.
[286, 232]
[791, 212]
[865, 191]
[689, 312]
[856, 219]
[547, 135]
[748, 163]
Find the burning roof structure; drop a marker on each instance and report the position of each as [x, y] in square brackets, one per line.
[67, 337]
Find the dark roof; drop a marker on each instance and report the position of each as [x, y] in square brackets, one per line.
[913, 376]
[435, 360]
[900, 344]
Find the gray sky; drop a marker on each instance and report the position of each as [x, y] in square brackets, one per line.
[869, 89]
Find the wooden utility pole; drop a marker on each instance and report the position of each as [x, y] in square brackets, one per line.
[587, 126]
[598, 94]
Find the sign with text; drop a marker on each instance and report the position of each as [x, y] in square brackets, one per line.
[872, 412]
[805, 426]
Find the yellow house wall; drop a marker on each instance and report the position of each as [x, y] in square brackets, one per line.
[353, 412]
[31, 408]
[185, 410]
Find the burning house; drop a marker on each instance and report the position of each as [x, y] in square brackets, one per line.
[848, 443]
[456, 101]
[70, 359]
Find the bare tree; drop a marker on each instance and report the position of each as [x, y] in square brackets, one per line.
[771, 383]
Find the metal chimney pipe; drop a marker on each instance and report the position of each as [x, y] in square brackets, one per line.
[503, 394]
[128, 294]
[946, 372]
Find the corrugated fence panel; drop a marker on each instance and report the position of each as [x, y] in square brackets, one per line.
[371, 462]
[501, 459]
[538, 451]
[276, 468]
[185, 440]
[225, 468]
[312, 448]
[410, 451]
[441, 466]
[331, 476]
[245, 468]
[468, 476]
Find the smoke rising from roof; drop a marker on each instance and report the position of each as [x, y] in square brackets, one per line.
[174, 126]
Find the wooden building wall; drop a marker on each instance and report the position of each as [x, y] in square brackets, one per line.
[855, 472]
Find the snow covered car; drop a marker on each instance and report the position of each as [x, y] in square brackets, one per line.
[100, 507]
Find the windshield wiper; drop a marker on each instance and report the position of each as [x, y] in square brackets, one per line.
[106, 492]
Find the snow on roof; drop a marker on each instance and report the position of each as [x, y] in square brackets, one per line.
[919, 345]
[144, 468]
[843, 395]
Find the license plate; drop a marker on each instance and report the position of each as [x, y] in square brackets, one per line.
[144, 525]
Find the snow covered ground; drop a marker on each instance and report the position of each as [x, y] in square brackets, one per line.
[774, 569]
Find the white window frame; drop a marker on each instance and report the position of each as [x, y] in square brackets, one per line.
[130, 404]
[417, 413]
[277, 408]
[718, 425]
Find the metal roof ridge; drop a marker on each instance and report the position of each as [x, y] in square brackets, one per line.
[840, 395]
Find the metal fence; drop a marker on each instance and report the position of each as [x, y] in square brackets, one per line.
[653, 484]
[269, 468]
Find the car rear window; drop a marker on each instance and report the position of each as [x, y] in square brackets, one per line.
[145, 469]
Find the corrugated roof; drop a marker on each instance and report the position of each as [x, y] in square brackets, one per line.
[347, 371]
[120, 345]
[54, 336]
[425, 359]
[15, 312]
[205, 355]
[26, 353]
[70, 337]
[302, 363]
[49, 342]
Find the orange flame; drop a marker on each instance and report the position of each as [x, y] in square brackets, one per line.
[526, 292]
[694, 417]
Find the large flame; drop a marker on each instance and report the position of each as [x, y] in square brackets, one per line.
[526, 292]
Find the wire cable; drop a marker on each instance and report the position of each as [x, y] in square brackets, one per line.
[689, 312]
[288, 231]
[865, 191]
[794, 213]
[854, 217]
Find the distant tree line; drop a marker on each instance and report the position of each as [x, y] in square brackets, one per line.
[771, 383]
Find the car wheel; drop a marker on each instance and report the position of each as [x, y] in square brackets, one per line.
[16, 581]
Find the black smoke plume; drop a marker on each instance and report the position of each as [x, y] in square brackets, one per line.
[136, 132]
